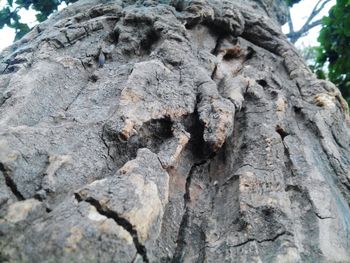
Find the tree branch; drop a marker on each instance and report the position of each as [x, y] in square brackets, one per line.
[294, 36]
[315, 12]
[290, 24]
[309, 23]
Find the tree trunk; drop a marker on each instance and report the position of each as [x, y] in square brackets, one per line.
[170, 132]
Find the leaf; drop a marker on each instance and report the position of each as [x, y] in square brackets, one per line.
[22, 29]
[41, 17]
[334, 41]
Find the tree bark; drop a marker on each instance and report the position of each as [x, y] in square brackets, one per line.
[170, 132]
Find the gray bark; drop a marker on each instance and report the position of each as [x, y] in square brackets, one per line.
[170, 132]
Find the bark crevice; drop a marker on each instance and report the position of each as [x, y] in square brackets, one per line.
[263, 240]
[186, 218]
[11, 183]
[105, 211]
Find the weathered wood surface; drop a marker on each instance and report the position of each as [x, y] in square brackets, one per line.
[175, 132]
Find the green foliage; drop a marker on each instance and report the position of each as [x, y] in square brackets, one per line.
[9, 13]
[334, 50]
[292, 2]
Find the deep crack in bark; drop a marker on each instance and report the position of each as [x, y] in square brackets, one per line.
[323, 217]
[106, 145]
[74, 99]
[105, 211]
[3, 101]
[263, 240]
[181, 242]
[10, 183]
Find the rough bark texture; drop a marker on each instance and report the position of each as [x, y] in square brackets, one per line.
[170, 132]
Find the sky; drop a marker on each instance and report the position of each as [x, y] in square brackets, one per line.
[7, 34]
[299, 14]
